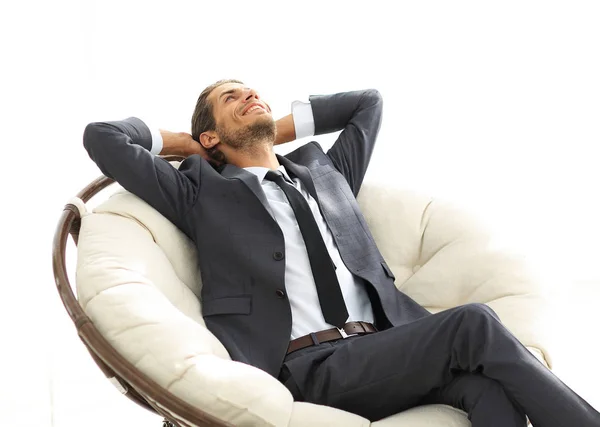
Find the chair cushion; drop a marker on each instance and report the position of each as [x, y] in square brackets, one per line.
[443, 257]
[141, 293]
[138, 280]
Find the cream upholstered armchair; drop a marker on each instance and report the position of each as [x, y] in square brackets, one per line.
[139, 314]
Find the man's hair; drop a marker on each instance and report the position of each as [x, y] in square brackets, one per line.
[203, 119]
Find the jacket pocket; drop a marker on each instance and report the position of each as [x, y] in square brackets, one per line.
[228, 305]
[388, 271]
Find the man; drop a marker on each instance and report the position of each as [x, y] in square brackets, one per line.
[293, 282]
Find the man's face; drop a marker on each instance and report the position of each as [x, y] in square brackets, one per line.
[243, 118]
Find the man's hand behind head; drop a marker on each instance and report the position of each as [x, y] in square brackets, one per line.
[182, 144]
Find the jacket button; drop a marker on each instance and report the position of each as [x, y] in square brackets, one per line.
[280, 293]
[278, 256]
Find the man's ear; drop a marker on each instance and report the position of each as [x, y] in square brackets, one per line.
[209, 139]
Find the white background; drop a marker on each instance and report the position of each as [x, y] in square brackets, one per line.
[494, 106]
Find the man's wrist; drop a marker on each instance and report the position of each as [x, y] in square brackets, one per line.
[175, 143]
[285, 130]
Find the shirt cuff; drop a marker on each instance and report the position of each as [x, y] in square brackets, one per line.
[157, 141]
[304, 122]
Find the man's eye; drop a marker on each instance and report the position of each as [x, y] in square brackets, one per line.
[228, 98]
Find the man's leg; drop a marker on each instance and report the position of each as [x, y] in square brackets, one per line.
[381, 374]
[483, 399]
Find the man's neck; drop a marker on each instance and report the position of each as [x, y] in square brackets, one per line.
[262, 156]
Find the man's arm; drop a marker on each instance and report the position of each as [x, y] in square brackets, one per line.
[358, 113]
[285, 130]
[122, 151]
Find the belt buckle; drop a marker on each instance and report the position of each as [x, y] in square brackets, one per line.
[343, 333]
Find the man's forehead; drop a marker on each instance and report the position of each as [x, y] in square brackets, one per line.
[227, 87]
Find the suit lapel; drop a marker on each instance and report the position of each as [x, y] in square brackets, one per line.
[302, 173]
[251, 181]
[248, 178]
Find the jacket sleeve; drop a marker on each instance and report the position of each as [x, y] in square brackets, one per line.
[358, 113]
[121, 149]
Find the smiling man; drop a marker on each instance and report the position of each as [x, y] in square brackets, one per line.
[293, 282]
[246, 130]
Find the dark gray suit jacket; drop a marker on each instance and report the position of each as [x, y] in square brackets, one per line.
[240, 245]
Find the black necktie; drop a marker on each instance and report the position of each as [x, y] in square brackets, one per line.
[328, 288]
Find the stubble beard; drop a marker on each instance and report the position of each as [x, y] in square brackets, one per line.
[252, 138]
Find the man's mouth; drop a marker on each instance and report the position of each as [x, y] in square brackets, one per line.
[253, 108]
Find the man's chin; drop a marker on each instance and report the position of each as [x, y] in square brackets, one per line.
[262, 128]
[263, 115]
[261, 120]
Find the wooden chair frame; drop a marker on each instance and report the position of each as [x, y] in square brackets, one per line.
[124, 375]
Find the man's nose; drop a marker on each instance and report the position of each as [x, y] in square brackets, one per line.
[251, 94]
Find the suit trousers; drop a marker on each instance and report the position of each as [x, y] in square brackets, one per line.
[464, 357]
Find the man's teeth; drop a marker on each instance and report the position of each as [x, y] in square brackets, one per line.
[252, 109]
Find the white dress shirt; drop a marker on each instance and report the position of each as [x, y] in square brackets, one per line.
[300, 285]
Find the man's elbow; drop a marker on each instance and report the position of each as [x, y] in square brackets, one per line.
[91, 135]
[373, 96]
[372, 102]
[97, 135]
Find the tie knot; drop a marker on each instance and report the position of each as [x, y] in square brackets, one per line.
[274, 176]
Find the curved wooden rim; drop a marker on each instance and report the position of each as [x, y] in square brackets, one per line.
[139, 388]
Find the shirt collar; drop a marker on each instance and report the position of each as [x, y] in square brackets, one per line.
[261, 172]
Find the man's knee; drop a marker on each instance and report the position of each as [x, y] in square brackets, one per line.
[478, 309]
